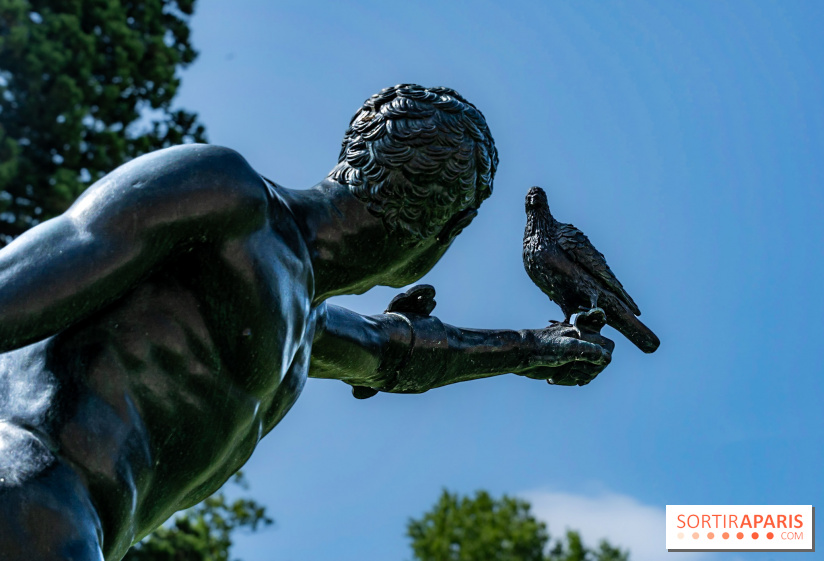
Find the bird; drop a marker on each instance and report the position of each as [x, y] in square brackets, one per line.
[564, 264]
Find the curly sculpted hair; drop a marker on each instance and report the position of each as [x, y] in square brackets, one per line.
[417, 156]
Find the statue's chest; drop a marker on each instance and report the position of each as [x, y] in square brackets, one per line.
[200, 340]
[250, 306]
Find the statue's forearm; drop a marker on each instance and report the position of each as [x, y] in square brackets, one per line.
[410, 353]
[442, 354]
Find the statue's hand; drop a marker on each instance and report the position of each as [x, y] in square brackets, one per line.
[566, 355]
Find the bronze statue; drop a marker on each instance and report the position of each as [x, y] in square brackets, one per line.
[564, 264]
[153, 333]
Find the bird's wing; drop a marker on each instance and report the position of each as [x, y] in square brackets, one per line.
[580, 249]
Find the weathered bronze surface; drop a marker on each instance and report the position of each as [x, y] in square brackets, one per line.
[153, 333]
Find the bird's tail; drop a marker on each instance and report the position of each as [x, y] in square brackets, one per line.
[631, 327]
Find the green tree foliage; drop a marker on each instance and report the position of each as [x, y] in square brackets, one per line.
[202, 533]
[85, 85]
[573, 549]
[482, 528]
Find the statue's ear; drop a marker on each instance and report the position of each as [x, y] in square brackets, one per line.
[456, 225]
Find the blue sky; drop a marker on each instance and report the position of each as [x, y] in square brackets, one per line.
[685, 138]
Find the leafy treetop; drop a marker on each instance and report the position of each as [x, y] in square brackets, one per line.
[85, 85]
[484, 528]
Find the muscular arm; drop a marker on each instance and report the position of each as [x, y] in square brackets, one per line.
[410, 353]
[118, 232]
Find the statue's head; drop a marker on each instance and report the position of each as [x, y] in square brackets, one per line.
[421, 159]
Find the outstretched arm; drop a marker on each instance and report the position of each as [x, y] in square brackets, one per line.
[118, 232]
[410, 352]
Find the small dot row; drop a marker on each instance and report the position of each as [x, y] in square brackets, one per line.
[726, 535]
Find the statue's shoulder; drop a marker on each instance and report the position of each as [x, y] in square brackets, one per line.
[217, 169]
[208, 164]
[198, 186]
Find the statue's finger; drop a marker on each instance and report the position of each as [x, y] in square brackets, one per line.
[578, 350]
[561, 330]
[599, 339]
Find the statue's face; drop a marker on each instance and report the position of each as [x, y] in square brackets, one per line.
[418, 261]
[420, 258]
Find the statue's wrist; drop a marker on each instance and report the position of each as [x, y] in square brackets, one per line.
[525, 354]
[400, 333]
[421, 366]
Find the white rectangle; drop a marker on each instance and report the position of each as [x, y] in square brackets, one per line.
[740, 528]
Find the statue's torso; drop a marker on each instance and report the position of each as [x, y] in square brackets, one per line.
[159, 397]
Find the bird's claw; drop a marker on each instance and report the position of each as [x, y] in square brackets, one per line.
[590, 320]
